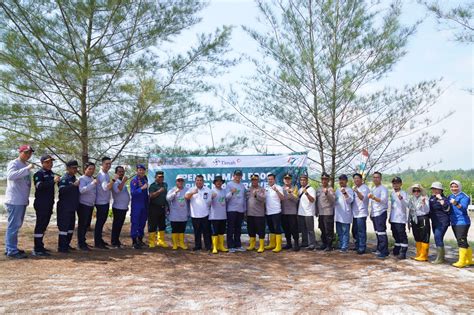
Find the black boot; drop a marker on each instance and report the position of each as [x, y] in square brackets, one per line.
[403, 253]
[136, 244]
[140, 241]
[396, 250]
[288, 243]
[296, 247]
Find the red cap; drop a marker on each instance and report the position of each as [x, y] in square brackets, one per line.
[25, 147]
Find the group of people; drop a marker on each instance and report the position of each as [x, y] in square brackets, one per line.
[217, 212]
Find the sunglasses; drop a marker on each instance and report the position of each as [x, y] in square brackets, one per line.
[416, 190]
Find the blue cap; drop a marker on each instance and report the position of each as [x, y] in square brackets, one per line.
[141, 166]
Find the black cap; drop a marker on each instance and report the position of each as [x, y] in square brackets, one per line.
[72, 163]
[238, 172]
[343, 177]
[254, 176]
[287, 175]
[160, 173]
[325, 175]
[218, 177]
[304, 175]
[46, 157]
[396, 179]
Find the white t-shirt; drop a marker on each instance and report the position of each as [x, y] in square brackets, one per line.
[378, 208]
[200, 203]
[360, 208]
[398, 211]
[272, 200]
[306, 208]
[342, 206]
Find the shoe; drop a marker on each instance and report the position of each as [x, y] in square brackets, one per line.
[343, 250]
[71, 248]
[232, 250]
[181, 243]
[423, 252]
[140, 241]
[175, 240]
[469, 257]
[18, 255]
[396, 251]
[136, 243]
[304, 245]
[84, 248]
[328, 249]
[439, 256]
[105, 243]
[160, 241]
[40, 253]
[214, 244]
[382, 256]
[151, 239]
[278, 240]
[271, 244]
[63, 250]
[461, 263]
[296, 248]
[195, 249]
[261, 247]
[402, 256]
[288, 246]
[116, 246]
[311, 247]
[360, 252]
[101, 246]
[322, 247]
[252, 243]
[376, 253]
[354, 249]
[418, 250]
[240, 249]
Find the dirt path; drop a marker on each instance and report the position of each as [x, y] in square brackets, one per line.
[158, 280]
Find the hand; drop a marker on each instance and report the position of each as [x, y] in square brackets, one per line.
[399, 195]
[76, 183]
[452, 201]
[144, 186]
[354, 188]
[177, 190]
[305, 190]
[438, 196]
[31, 166]
[116, 177]
[124, 179]
[343, 190]
[371, 196]
[233, 190]
[95, 181]
[214, 195]
[325, 190]
[331, 190]
[161, 190]
[195, 190]
[57, 179]
[423, 199]
[441, 202]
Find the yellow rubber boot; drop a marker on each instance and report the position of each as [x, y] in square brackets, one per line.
[469, 257]
[161, 240]
[277, 244]
[252, 243]
[461, 263]
[418, 250]
[214, 244]
[220, 244]
[423, 252]
[181, 244]
[261, 247]
[151, 239]
[272, 244]
[175, 240]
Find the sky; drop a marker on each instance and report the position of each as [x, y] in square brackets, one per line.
[432, 54]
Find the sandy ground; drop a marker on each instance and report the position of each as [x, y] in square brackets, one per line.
[160, 280]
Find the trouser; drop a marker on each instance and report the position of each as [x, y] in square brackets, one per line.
[256, 226]
[201, 228]
[178, 227]
[326, 225]
[359, 233]
[138, 217]
[401, 239]
[156, 218]
[460, 232]
[43, 216]
[343, 234]
[289, 222]
[102, 211]
[117, 224]
[84, 213]
[234, 229]
[66, 219]
[218, 227]
[421, 229]
[380, 228]
[274, 223]
[439, 230]
[306, 228]
[16, 215]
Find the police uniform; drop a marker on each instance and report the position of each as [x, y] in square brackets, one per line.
[256, 216]
[289, 218]
[157, 214]
[139, 208]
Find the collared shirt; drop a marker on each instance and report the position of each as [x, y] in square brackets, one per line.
[378, 208]
[44, 184]
[200, 203]
[218, 205]
[343, 206]
[139, 196]
[103, 193]
[398, 208]
[305, 207]
[272, 200]
[418, 206]
[289, 204]
[256, 202]
[68, 193]
[179, 211]
[87, 189]
[18, 183]
[160, 200]
[325, 201]
[235, 201]
[121, 197]
[360, 208]
[460, 216]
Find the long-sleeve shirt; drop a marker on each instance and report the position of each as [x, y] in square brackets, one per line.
[272, 200]
[179, 211]
[121, 197]
[325, 202]
[256, 202]
[103, 193]
[44, 193]
[289, 203]
[418, 207]
[343, 206]
[139, 195]
[378, 208]
[235, 201]
[200, 203]
[360, 208]
[88, 190]
[18, 183]
[398, 208]
[459, 216]
[439, 213]
[68, 194]
[305, 207]
[218, 205]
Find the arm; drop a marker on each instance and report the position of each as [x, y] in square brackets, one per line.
[13, 173]
[311, 195]
[135, 188]
[86, 187]
[40, 183]
[190, 193]
[349, 195]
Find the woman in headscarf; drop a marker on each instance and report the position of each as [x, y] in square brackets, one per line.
[419, 221]
[439, 214]
[460, 222]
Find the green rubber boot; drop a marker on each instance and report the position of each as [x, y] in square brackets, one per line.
[439, 256]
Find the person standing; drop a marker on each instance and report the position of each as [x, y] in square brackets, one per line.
[218, 215]
[325, 198]
[102, 202]
[17, 198]
[157, 212]
[360, 212]
[440, 221]
[343, 212]
[273, 198]
[179, 213]
[139, 205]
[68, 205]
[306, 213]
[419, 221]
[87, 190]
[44, 181]
[199, 205]
[398, 218]
[121, 199]
[289, 217]
[235, 211]
[256, 214]
[460, 222]
[378, 215]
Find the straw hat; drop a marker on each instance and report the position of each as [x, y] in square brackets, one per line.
[410, 190]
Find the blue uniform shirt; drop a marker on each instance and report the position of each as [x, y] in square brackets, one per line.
[44, 193]
[459, 216]
[439, 214]
[139, 196]
[68, 193]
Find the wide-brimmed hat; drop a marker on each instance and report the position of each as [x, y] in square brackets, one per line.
[218, 177]
[410, 190]
[437, 185]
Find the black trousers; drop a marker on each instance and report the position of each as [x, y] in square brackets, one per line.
[234, 229]
[401, 239]
[289, 223]
[156, 218]
[421, 230]
[202, 229]
[256, 226]
[274, 223]
[117, 224]
[218, 227]
[326, 225]
[43, 216]
[102, 212]
[460, 232]
[84, 215]
[178, 227]
[66, 219]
